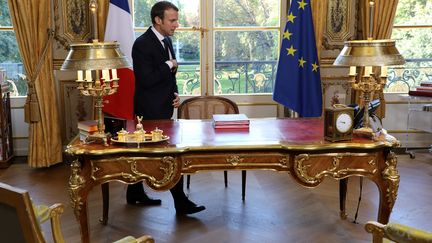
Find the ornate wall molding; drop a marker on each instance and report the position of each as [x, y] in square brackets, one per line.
[339, 25]
[72, 21]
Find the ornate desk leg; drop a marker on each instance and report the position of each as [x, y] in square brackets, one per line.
[388, 187]
[79, 199]
[105, 203]
[342, 197]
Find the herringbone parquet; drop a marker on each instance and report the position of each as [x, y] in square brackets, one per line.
[276, 209]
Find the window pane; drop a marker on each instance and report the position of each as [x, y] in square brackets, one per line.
[245, 61]
[414, 12]
[187, 49]
[188, 12]
[4, 14]
[10, 61]
[246, 13]
[142, 12]
[414, 43]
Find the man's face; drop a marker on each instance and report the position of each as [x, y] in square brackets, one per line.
[168, 24]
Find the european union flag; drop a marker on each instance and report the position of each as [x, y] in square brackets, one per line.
[298, 82]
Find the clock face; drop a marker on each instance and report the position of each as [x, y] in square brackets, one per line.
[343, 122]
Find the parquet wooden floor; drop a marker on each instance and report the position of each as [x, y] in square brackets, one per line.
[276, 209]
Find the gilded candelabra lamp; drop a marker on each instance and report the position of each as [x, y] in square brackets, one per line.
[96, 64]
[370, 57]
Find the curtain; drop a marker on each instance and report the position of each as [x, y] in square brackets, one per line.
[319, 10]
[383, 19]
[32, 22]
[102, 14]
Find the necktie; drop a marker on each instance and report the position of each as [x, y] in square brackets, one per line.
[166, 46]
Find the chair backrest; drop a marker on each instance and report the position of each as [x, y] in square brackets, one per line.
[203, 107]
[18, 222]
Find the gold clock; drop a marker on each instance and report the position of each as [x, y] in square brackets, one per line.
[338, 123]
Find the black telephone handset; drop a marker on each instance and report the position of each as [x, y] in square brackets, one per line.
[359, 113]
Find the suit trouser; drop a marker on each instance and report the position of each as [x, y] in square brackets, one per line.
[176, 192]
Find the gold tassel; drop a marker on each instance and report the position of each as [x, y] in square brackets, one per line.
[31, 107]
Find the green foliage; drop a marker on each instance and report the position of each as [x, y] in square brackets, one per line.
[4, 14]
[413, 12]
[9, 48]
[142, 10]
[246, 13]
[414, 42]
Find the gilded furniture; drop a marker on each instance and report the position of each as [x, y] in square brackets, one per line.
[21, 220]
[293, 146]
[203, 107]
[397, 233]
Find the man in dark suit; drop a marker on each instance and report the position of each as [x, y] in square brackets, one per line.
[156, 93]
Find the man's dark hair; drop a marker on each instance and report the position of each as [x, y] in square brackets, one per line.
[159, 8]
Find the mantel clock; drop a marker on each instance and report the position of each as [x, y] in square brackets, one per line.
[338, 123]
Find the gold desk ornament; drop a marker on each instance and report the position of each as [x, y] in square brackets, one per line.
[139, 133]
[122, 135]
[156, 134]
[139, 125]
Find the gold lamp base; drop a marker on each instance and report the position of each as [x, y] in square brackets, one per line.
[97, 137]
[366, 132]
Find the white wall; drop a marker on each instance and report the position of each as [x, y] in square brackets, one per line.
[20, 129]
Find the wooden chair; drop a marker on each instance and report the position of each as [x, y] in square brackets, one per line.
[396, 233]
[20, 220]
[203, 107]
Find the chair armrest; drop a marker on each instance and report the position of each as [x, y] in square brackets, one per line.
[55, 211]
[131, 239]
[145, 239]
[397, 232]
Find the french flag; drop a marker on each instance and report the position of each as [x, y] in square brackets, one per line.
[119, 28]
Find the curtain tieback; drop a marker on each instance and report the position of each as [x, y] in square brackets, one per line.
[31, 107]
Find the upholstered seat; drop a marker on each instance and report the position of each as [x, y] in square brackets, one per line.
[20, 220]
[397, 233]
[203, 107]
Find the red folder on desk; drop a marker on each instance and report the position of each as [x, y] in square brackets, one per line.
[230, 121]
[425, 93]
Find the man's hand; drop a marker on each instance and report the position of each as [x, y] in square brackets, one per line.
[175, 65]
[176, 101]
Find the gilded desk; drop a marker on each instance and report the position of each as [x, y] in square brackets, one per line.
[294, 146]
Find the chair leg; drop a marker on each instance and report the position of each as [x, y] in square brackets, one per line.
[105, 203]
[187, 181]
[342, 197]
[226, 178]
[243, 185]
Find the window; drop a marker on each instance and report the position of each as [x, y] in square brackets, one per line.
[413, 34]
[10, 60]
[223, 46]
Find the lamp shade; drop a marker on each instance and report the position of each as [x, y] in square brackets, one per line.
[95, 56]
[369, 53]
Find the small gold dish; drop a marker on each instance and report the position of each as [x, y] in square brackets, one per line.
[121, 135]
[156, 134]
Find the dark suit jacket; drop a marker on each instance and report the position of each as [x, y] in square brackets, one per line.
[155, 84]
